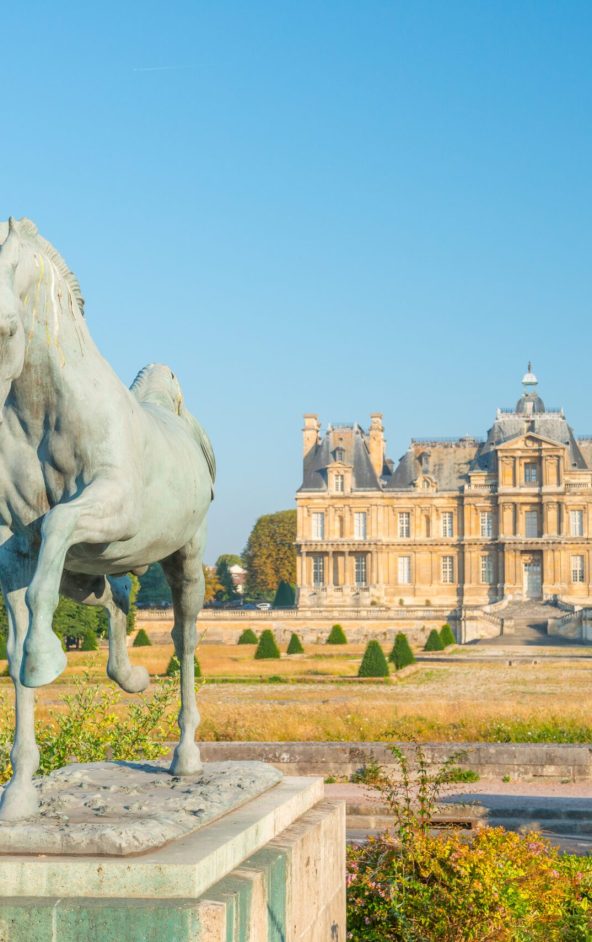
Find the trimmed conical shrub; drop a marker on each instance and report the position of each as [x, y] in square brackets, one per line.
[295, 645]
[285, 595]
[174, 667]
[374, 663]
[248, 637]
[267, 648]
[434, 642]
[401, 655]
[336, 635]
[89, 641]
[141, 640]
[447, 636]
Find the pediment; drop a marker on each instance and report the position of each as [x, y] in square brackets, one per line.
[528, 440]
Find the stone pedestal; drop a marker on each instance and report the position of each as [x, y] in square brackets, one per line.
[270, 871]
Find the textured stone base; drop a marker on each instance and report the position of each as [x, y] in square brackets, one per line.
[273, 871]
[121, 808]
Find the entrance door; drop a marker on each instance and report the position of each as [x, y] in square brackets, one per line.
[533, 578]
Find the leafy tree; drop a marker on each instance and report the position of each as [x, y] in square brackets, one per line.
[285, 595]
[248, 637]
[174, 667]
[374, 663]
[131, 615]
[89, 642]
[401, 655]
[141, 640]
[434, 642]
[336, 635]
[154, 589]
[214, 588]
[223, 564]
[267, 647]
[3, 653]
[295, 645]
[446, 636]
[270, 554]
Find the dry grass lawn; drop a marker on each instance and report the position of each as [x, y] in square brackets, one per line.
[439, 701]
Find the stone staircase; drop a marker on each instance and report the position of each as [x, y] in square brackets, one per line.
[528, 625]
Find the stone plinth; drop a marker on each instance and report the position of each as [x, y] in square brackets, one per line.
[270, 871]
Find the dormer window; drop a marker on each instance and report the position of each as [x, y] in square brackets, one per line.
[339, 483]
[340, 454]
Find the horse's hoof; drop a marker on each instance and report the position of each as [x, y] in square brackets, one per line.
[18, 801]
[132, 681]
[42, 663]
[186, 761]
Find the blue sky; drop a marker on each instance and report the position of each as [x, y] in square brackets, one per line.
[337, 207]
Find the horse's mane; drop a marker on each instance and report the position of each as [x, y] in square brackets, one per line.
[29, 230]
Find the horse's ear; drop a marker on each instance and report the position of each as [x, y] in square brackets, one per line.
[9, 250]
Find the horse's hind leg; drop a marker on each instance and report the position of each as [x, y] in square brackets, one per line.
[112, 594]
[19, 798]
[184, 574]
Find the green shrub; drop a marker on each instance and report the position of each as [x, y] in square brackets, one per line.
[285, 595]
[447, 636]
[248, 637]
[267, 648]
[336, 635]
[3, 654]
[401, 655]
[174, 667]
[141, 640]
[89, 641]
[295, 645]
[374, 663]
[434, 642]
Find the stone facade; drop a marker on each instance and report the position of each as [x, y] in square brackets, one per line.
[454, 523]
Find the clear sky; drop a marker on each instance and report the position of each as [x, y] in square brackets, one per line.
[332, 206]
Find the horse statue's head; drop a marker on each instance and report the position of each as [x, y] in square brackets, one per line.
[12, 312]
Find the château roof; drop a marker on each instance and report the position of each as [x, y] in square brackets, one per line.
[444, 464]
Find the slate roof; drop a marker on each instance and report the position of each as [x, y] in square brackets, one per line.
[352, 439]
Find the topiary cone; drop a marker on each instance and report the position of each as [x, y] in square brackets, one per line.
[141, 640]
[434, 642]
[295, 645]
[336, 635]
[267, 648]
[374, 663]
[248, 637]
[446, 635]
[401, 655]
[174, 667]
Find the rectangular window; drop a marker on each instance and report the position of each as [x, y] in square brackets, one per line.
[577, 569]
[360, 525]
[531, 474]
[486, 570]
[486, 518]
[404, 525]
[576, 518]
[318, 570]
[448, 569]
[339, 483]
[404, 570]
[447, 524]
[360, 569]
[318, 526]
[532, 523]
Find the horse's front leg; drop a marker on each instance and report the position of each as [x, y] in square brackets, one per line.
[19, 798]
[99, 515]
[184, 573]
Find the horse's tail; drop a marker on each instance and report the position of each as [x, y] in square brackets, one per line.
[158, 384]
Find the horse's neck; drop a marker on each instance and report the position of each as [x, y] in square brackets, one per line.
[61, 359]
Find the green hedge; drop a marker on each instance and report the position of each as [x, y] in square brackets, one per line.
[336, 635]
[89, 641]
[174, 667]
[446, 635]
[401, 655]
[374, 663]
[141, 640]
[434, 642]
[267, 648]
[295, 645]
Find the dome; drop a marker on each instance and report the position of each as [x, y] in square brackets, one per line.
[530, 402]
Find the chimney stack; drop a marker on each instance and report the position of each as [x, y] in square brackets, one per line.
[310, 432]
[376, 445]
